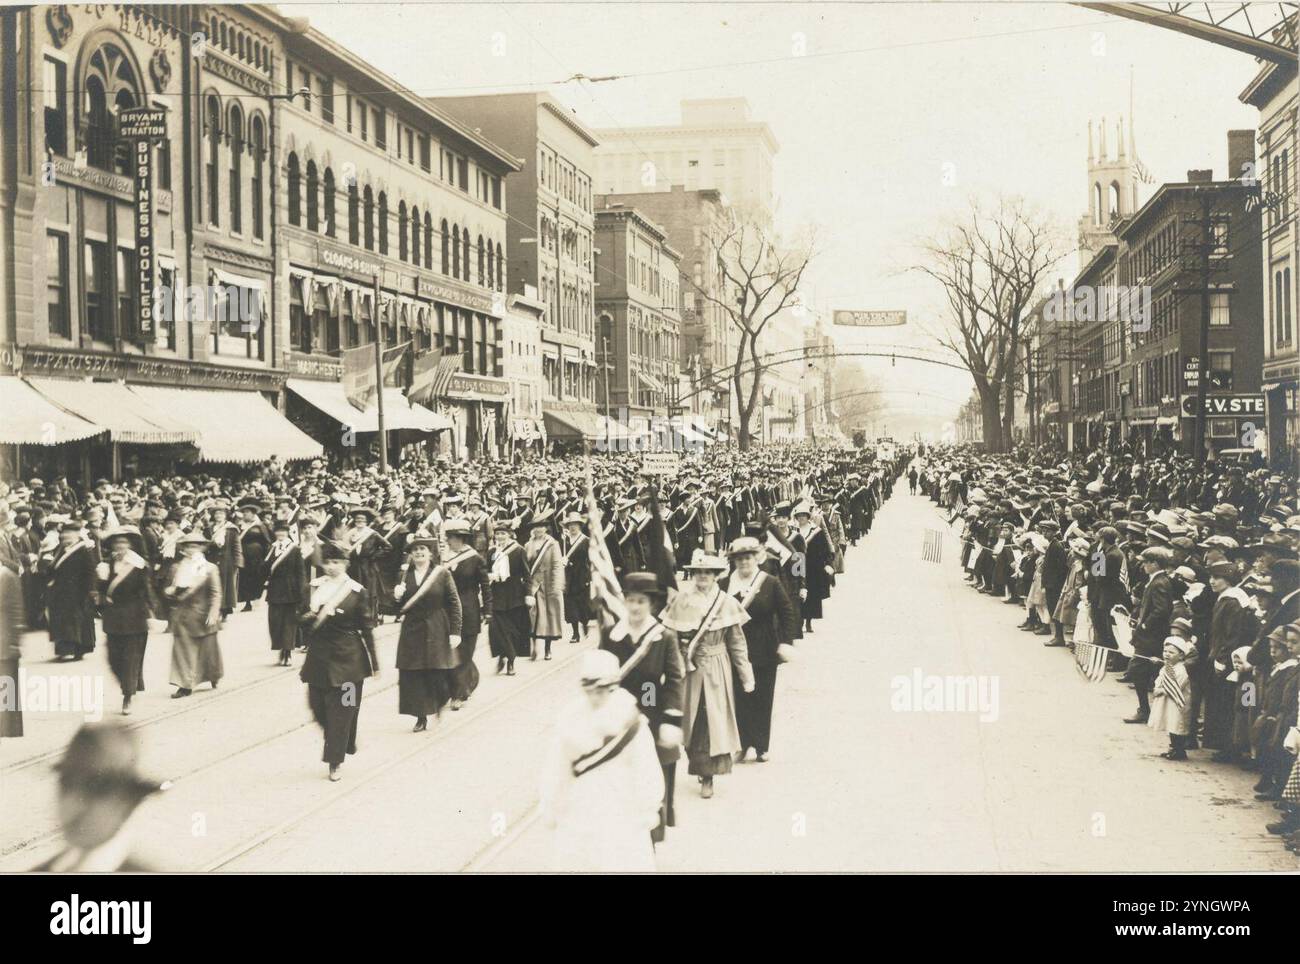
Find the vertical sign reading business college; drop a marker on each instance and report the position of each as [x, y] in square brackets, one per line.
[141, 127]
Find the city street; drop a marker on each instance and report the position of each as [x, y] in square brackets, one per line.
[1043, 776]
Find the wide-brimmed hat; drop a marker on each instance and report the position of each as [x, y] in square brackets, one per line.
[130, 533]
[194, 538]
[744, 545]
[599, 667]
[104, 758]
[331, 550]
[645, 583]
[573, 518]
[456, 527]
[360, 508]
[702, 561]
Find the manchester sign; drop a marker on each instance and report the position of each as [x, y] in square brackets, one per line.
[870, 319]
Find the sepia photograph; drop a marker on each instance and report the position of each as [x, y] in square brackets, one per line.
[596, 437]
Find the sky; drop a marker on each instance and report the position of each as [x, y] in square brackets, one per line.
[891, 117]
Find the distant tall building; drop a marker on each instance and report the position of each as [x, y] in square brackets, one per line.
[1112, 188]
[717, 146]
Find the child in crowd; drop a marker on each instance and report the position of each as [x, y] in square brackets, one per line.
[1169, 701]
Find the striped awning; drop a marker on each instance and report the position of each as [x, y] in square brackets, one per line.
[329, 397]
[232, 426]
[571, 423]
[31, 419]
[113, 406]
[650, 382]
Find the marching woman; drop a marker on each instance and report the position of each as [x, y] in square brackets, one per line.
[651, 670]
[70, 615]
[254, 541]
[772, 620]
[125, 603]
[367, 549]
[508, 624]
[427, 654]
[577, 576]
[818, 568]
[546, 583]
[708, 625]
[469, 572]
[340, 654]
[196, 597]
[286, 592]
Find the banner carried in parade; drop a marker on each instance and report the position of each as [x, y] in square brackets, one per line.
[359, 372]
[606, 593]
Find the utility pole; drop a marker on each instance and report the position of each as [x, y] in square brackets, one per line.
[379, 376]
[1203, 363]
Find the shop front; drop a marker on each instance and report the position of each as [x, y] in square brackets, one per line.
[1232, 421]
[477, 407]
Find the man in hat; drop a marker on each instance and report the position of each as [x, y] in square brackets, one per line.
[126, 603]
[100, 788]
[69, 606]
[195, 594]
[1151, 626]
[286, 591]
[575, 547]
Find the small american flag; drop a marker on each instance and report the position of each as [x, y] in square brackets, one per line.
[932, 546]
[606, 593]
[1090, 661]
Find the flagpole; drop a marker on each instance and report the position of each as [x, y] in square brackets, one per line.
[379, 377]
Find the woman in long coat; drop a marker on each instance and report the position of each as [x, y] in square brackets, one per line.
[340, 654]
[469, 572]
[229, 556]
[708, 624]
[70, 612]
[772, 619]
[427, 654]
[1066, 613]
[125, 604]
[366, 556]
[254, 542]
[818, 571]
[195, 595]
[577, 576]
[545, 583]
[508, 625]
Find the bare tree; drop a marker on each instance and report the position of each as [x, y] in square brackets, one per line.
[991, 266]
[758, 277]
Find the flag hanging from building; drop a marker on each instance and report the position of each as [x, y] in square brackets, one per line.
[359, 372]
[432, 376]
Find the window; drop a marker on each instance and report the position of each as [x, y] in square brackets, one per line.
[383, 223]
[363, 115]
[424, 151]
[304, 82]
[214, 159]
[98, 323]
[1286, 304]
[1219, 313]
[381, 125]
[236, 165]
[110, 86]
[313, 198]
[415, 235]
[462, 174]
[330, 223]
[295, 191]
[164, 323]
[455, 251]
[258, 152]
[479, 248]
[126, 282]
[327, 100]
[165, 163]
[428, 240]
[237, 329]
[56, 284]
[56, 106]
[299, 330]
[410, 145]
[369, 211]
[446, 248]
[401, 230]
[354, 217]
[1219, 237]
[1221, 370]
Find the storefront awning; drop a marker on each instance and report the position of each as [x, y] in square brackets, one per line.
[328, 397]
[650, 382]
[232, 426]
[31, 419]
[566, 423]
[113, 406]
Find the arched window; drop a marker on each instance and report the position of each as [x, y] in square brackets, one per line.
[491, 265]
[331, 226]
[446, 248]
[401, 230]
[1114, 199]
[415, 235]
[464, 246]
[501, 269]
[224, 40]
[214, 158]
[1098, 209]
[111, 85]
[236, 137]
[368, 201]
[383, 223]
[243, 51]
[455, 250]
[428, 240]
[257, 137]
[479, 248]
[313, 198]
[295, 191]
[354, 219]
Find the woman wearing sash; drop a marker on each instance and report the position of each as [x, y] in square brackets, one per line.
[772, 621]
[508, 615]
[577, 576]
[651, 671]
[546, 583]
[708, 624]
[126, 603]
[470, 574]
[340, 654]
[196, 596]
[427, 654]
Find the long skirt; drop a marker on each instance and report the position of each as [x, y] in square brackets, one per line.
[423, 692]
[83, 643]
[195, 660]
[702, 762]
[509, 633]
[464, 678]
[754, 710]
[1220, 696]
[336, 709]
[282, 621]
[126, 660]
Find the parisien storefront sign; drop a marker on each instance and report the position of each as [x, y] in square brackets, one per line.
[146, 369]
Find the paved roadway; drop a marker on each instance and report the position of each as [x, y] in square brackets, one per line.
[1050, 780]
